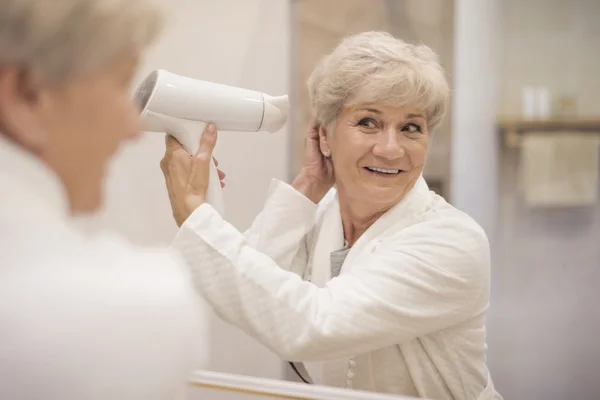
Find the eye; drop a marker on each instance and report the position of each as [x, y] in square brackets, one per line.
[411, 128]
[368, 123]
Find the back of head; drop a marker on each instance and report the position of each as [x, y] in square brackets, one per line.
[65, 71]
[60, 40]
[376, 67]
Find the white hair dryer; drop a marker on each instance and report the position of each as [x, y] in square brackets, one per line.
[182, 106]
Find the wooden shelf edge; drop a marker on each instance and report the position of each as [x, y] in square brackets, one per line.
[512, 129]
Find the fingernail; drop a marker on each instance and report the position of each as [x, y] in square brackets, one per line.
[210, 130]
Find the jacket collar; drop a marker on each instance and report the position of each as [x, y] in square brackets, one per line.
[27, 182]
[330, 235]
[416, 201]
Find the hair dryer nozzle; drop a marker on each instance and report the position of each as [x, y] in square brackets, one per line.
[275, 113]
[145, 90]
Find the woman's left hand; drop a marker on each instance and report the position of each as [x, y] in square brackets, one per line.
[187, 176]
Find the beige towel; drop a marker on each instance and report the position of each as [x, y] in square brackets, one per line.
[559, 169]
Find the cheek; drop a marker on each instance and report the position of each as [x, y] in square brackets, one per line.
[129, 116]
[349, 146]
[417, 152]
[101, 114]
[118, 118]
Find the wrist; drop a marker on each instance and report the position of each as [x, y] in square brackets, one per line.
[190, 205]
[310, 188]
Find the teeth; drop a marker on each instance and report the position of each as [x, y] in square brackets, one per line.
[383, 170]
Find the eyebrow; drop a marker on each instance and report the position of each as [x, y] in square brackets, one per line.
[370, 110]
[407, 116]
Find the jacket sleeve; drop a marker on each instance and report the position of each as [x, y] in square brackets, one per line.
[431, 276]
[280, 229]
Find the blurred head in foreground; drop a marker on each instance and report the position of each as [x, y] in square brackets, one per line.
[65, 72]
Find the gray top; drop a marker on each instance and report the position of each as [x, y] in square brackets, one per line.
[337, 259]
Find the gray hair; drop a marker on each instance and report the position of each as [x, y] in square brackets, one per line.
[57, 40]
[376, 67]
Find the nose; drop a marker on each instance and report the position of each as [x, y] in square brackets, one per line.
[389, 145]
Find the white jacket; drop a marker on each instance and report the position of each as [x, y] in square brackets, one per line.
[413, 290]
[84, 318]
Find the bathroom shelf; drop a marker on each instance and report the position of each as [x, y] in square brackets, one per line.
[511, 129]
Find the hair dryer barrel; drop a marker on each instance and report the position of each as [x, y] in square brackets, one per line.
[229, 108]
[181, 107]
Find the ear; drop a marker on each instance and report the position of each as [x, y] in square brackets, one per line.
[324, 141]
[19, 119]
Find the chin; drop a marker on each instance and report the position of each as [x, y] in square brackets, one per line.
[387, 199]
[87, 203]
[386, 195]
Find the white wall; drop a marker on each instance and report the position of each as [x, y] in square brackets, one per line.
[551, 43]
[235, 42]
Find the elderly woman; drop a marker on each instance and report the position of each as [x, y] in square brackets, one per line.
[379, 279]
[80, 318]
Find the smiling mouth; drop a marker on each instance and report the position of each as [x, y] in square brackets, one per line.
[384, 171]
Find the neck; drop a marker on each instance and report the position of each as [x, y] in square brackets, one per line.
[32, 175]
[357, 217]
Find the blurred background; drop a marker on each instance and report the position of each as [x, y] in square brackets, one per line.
[518, 152]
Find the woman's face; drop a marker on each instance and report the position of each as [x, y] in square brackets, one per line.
[75, 128]
[378, 152]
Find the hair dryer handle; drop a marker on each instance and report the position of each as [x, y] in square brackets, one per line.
[214, 194]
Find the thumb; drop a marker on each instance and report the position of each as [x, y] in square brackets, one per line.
[201, 161]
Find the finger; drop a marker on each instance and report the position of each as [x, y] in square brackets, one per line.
[202, 159]
[172, 144]
[222, 174]
[312, 131]
[175, 149]
[174, 153]
[208, 140]
[216, 162]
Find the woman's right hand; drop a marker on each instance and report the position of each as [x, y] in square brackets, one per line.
[316, 176]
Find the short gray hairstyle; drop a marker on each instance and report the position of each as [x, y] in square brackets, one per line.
[57, 40]
[376, 67]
